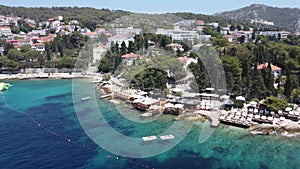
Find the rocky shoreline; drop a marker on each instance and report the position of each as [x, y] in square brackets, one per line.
[290, 129]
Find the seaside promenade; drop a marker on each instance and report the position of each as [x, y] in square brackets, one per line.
[45, 76]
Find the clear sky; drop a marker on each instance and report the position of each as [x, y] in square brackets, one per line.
[156, 6]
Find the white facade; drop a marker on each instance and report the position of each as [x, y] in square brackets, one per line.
[178, 34]
[125, 31]
[119, 39]
[5, 30]
[39, 32]
[38, 46]
[277, 34]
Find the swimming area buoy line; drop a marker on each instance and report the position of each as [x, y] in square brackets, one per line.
[69, 140]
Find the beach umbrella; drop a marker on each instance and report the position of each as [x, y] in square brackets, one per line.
[228, 102]
[241, 98]
[168, 105]
[253, 103]
[224, 97]
[264, 117]
[270, 118]
[257, 116]
[288, 109]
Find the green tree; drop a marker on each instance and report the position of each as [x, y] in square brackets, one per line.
[131, 47]
[288, 87]
[123, 49]
[233, 73]
[275, 104]
[258, 88]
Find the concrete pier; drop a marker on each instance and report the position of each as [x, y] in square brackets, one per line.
[211, 115]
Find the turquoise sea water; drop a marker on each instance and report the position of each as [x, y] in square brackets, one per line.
[39, 128]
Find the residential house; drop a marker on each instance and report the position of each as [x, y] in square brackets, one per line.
[91, 34]
[5, 30]
[38, 46]
[175, 46]
[199, 22]
[129, 58]
[186, 60]
[100, 30]
[42, 32]
[275, 69]
[18, 43]
[214, 24]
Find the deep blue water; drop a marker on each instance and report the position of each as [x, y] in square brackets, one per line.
[25, 144]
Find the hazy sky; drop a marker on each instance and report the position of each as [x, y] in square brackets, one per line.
[155, 6]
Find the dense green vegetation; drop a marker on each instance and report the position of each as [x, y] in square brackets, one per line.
[285, 18]
[112, 59]
[240, 63]
[88, 17]
[61, 53]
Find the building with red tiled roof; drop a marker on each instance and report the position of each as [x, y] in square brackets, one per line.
[275, 69]
[19, 42]
[38, 46]
[175, 46]
[129, 58]
[186, 61]
[5, 30]
[91, 34]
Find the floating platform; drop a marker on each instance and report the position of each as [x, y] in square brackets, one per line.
[149, 138]
[167, 137]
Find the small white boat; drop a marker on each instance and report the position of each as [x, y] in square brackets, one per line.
[149, 138]
[167, 137]
[85, 98]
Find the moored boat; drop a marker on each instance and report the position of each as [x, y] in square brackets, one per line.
[85, 98]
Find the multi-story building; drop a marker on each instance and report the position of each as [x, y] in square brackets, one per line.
[125, 31]
[277, 34]
[119, 39]
[179, 34]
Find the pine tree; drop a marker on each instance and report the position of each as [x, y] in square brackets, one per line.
[131, 47]
[258, 88]
[123, 49]
[288, 86]
[269, 79]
